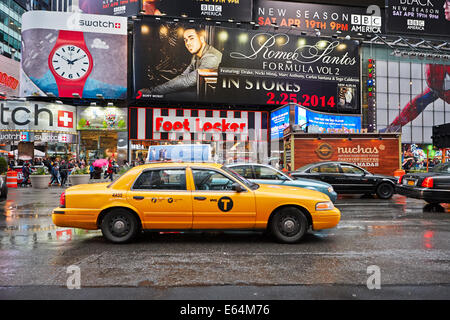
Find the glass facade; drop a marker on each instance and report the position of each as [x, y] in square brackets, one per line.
[10, 24]
[408, 91]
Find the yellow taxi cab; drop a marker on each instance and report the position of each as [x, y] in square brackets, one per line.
[192, 196]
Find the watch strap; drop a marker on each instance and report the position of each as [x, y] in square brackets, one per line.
[67, 88]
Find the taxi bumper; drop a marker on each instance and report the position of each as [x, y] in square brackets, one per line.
[75, 218]
[325, 219]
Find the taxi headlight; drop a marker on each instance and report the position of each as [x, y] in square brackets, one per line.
[323, 206]
[330, 189]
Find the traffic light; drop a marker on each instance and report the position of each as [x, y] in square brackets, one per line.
[441, 136]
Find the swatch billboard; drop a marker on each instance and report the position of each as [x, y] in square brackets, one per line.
[70, 55]
[177, 62]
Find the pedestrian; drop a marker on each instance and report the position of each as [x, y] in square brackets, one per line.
[91, 170]
[26, 170]
[63, 171]
[110, 170]
[55, 174]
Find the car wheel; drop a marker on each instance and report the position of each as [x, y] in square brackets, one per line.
[119, 226]
[289, 225]
[385, 191]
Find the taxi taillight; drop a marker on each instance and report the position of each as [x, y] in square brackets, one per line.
[62, 200]
[427, 183]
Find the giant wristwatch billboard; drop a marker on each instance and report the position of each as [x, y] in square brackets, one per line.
[69, 55]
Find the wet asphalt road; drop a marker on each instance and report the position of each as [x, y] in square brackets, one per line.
[407, 241]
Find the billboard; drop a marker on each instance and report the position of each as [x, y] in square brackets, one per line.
[102, 118]
[418, 17]
[70, 55]
[279, 120]
[125, 8]
[180, 152]
[327, 123]
[224, 65]
[356, 21]
[9, 77]
[238, 10]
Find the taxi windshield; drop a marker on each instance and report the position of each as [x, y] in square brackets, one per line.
[240, 178]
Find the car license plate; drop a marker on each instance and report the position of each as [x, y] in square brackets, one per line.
[411, 182]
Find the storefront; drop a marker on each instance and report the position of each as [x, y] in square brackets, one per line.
[233, 136]
[103, 133]
[377, 153]
[30, 129]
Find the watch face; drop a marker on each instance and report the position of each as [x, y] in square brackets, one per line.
[70, 62]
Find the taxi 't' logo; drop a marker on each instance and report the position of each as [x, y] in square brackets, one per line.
[324, 151]
[225, 204]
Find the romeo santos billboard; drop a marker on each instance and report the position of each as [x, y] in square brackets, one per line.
[253, 67]
[73, 54]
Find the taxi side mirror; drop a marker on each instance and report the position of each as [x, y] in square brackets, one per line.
[237, 187]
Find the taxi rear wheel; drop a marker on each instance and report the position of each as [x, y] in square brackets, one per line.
[119, 226]
[289, 225]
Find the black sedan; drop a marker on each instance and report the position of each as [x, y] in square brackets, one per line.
[432, 186]
[348, 178]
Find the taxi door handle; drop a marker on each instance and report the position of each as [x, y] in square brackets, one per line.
[138, 198]
[199, 198]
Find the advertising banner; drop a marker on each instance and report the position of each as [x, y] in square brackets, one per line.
[217, 64]
[376, 156]
[314, 122]
[326, 18]
[180, 152]
[238, 10]
[102, 118]
[9, 77]
[279, 120]
[418, 16]
[74, 55]
[125, 8]
[38, 116]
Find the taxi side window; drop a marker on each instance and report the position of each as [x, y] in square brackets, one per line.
[165, 179]
[245, 171]
[211, 180]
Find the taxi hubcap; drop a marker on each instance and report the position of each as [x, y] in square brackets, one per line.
[119, 226]
[289, 225]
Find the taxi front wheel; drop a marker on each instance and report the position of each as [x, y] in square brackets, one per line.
[289, 225]
[119, 226]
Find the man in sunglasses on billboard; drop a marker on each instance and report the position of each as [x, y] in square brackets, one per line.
[204, 56]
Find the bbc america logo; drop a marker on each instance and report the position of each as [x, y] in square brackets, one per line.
[211, 9]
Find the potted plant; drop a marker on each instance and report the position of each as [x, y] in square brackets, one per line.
[40, 178]
[80, 176]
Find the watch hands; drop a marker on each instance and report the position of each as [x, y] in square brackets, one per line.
[72, 61]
